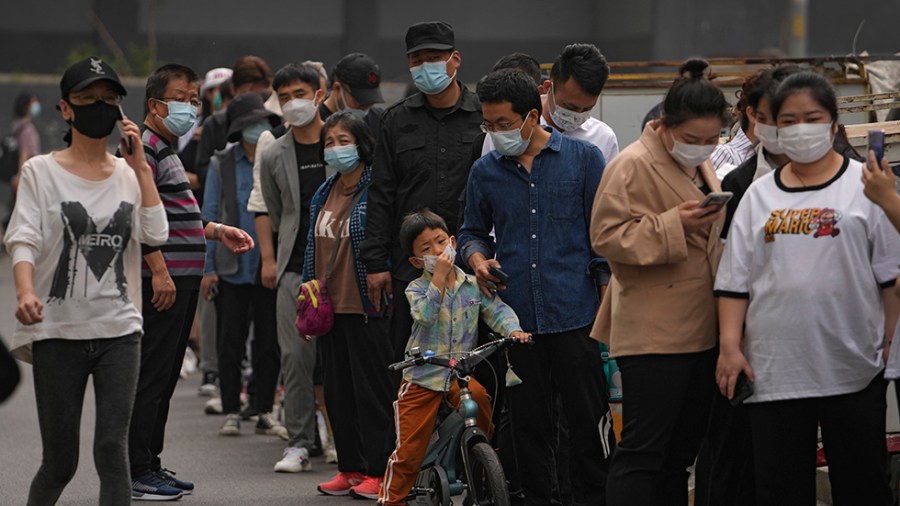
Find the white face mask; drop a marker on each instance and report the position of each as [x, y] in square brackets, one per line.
[690, 155]
[299, 112]
[430, 261]
[806, 142]
[768, 136]
[567, 120]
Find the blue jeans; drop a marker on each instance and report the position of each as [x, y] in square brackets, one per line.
[61, 370]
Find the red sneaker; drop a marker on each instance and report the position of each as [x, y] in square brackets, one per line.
[341, 484]
[368, 489]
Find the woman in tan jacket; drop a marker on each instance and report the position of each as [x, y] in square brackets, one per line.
[658, 316]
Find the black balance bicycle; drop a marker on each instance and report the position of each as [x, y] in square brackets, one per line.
[458, 438]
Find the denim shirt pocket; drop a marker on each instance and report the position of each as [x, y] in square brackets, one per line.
[565, 204]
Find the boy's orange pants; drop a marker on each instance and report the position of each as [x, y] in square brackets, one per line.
[415, 411]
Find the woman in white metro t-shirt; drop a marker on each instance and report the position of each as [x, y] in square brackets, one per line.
[75, 239]
[808, 263]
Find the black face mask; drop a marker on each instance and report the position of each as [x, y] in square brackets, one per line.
[96, 120]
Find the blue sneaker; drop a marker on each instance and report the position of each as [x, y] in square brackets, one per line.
[150, 487]
[168, 477]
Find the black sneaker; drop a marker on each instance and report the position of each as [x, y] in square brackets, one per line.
[150, 487]
[186, 487]
[249, 413]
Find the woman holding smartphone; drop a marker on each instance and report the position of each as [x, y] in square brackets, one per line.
[75, 240]
[658, 316]
[805, 306]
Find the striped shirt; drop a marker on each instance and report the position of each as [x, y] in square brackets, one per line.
[732, 154]
[185, 251]
[450, 324]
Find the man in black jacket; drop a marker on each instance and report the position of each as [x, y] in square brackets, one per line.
[422, 160]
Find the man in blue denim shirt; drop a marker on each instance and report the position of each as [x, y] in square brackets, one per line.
[240, 291]
[536, 191]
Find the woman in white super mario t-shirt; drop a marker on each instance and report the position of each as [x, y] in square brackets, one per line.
[802, 286]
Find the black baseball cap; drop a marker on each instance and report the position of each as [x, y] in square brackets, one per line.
[429, 35]
[80, 75]
[362, 76]
[244, 110]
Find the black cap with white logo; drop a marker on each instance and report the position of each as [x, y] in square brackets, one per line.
[81, 74]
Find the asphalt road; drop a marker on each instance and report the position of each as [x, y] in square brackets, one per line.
[226, 471]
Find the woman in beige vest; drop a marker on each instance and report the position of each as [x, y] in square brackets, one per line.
[659, 317]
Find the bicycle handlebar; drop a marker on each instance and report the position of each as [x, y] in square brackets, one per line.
[464, 363]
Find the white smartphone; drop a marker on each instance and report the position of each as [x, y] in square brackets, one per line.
[716, 199]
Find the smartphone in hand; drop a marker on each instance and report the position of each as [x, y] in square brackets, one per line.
[716, 199]
[497, 273]
[128, 147]
[742, 389]
[876, 144]
[213, 292]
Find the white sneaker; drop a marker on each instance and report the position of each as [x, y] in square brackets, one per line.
[232, 425]
[331, 456]
[189, 364]
[294, 460]
[213, 406]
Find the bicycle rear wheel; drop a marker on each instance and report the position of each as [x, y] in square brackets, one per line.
[489, 487]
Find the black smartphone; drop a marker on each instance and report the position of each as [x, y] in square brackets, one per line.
[128, 148]
[717, 199]
[213, 291]
[497, 273]
[743, 388]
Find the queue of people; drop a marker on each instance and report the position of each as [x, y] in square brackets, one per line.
[508, 205]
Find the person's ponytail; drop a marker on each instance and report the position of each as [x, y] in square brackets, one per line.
[693, 95]
[694, 68]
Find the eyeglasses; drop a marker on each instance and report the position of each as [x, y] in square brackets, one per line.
[499, 127]
[195, 103]
[113, 100]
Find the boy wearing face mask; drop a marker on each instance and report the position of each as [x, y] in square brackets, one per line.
[290, 171]
[171, 272]
[446, 304]
[228, 187]
[535, 191]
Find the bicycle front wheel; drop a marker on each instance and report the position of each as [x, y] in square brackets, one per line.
[489, 487]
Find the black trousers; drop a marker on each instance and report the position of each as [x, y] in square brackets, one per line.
[565, 365]
[784, 444]
[162, 352]
[359, 390]
[236, 305]
[61, 370]
[724, 470]
[492, 376]
[9, 373]
[665, 412]
[401, 323]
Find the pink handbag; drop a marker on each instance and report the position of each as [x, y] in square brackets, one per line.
[315, 312]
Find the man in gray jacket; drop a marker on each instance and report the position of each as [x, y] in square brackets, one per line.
[290, 171]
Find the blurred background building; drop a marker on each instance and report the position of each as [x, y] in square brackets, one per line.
[40, 37]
